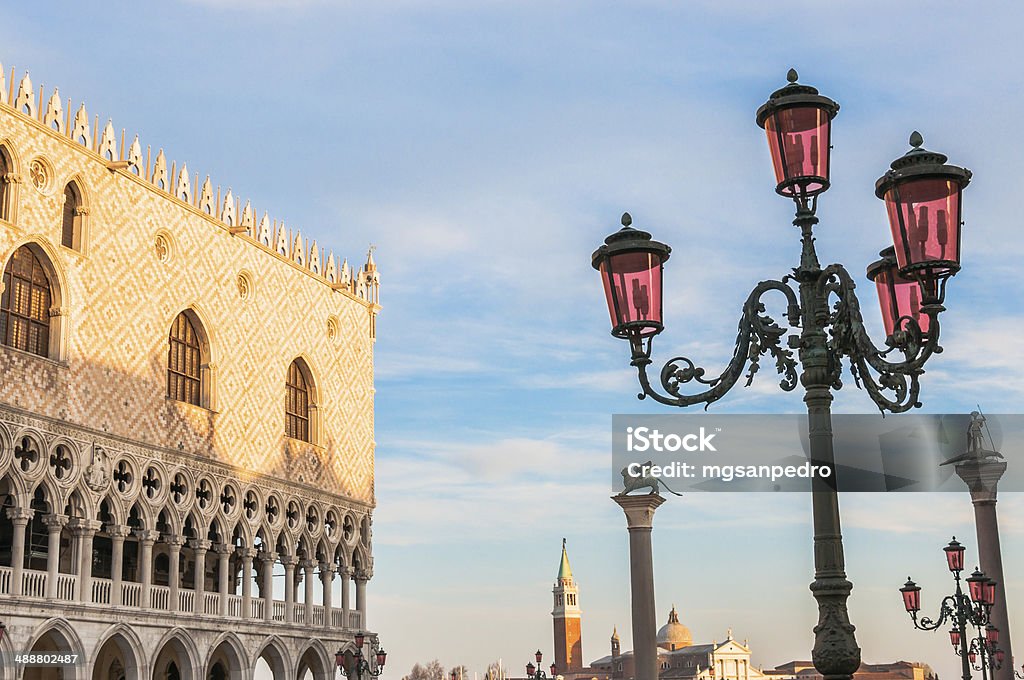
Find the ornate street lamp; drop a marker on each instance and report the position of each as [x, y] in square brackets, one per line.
[911, 283]
[360, 665]
[980, 651]
[536, 673]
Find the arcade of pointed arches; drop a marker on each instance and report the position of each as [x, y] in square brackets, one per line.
[120, 654]
[83, 523]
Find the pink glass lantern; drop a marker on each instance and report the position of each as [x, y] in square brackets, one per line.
[898, 297]
[630, 264]
[954, 637]
[922, 197]
[976, 585]
[991, 634]
[798, 122]
[911, 596]
[989, 592]
[954, 555]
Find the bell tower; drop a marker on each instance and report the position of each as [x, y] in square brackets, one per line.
[566, 614]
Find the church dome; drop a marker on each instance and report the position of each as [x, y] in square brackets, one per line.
[674, 635]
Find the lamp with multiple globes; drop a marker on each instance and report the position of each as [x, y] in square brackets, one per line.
[536, 673]
[824, 324]
[963, 611]
[360, 665]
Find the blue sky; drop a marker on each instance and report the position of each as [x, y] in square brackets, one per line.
[486, 148]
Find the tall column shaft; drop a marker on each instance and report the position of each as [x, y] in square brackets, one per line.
[174, 544]
[346, 587]
[361, 578]
[247, 554]
[982, 478]
[88, 529]
[307, 568]
[289, 563]
[268, 585]
[639, 521]
[223, 555]
[20, 518]
[327, 579]
[117, 536]
[200, 546]
[54, 525]
[147, 537]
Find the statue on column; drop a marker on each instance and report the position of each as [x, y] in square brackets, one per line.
[976, 442]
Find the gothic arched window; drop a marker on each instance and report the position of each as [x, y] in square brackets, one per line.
[74, 211]
[25, 307]
[297, 403]
[5, 170]
[184, 362]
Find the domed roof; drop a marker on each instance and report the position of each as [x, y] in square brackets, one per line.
[674, 635]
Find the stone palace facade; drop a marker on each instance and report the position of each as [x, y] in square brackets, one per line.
[186, 417]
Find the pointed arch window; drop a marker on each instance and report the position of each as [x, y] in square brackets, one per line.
[5, 191]
[184, 362]
[25, 307]
[74, 213]
[297, 403]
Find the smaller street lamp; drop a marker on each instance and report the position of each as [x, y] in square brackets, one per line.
[536, 673]
[981, 651]
[360, 665]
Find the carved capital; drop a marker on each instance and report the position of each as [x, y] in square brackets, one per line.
[148, 536]
[20, 515]
[982, 478]
[118, 531]
[267, 557]
[200, 545]
[346, 572]
[82, 526]
[247, 553]
[11, 178]
[55, 522]
[289, 560]
[223, 549]
[639, 509]
[363, 575]
[174, 540]
[81, 211]
[308, 565]
[327, 568]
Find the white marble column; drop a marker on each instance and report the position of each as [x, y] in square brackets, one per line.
[117, 533]
[54, 525]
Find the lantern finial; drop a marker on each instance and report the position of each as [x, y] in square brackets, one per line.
[627, 219]
[916, 140]
[792, 75]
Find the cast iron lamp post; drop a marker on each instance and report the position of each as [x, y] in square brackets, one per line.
[922, 197]
[536, 673]
[360, 666]
[962, 611]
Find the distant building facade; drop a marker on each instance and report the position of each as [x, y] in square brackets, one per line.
[186, 417]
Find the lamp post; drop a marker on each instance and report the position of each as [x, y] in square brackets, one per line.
[962, 610]
[922, 197]
[536, 672]
[360, 665]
